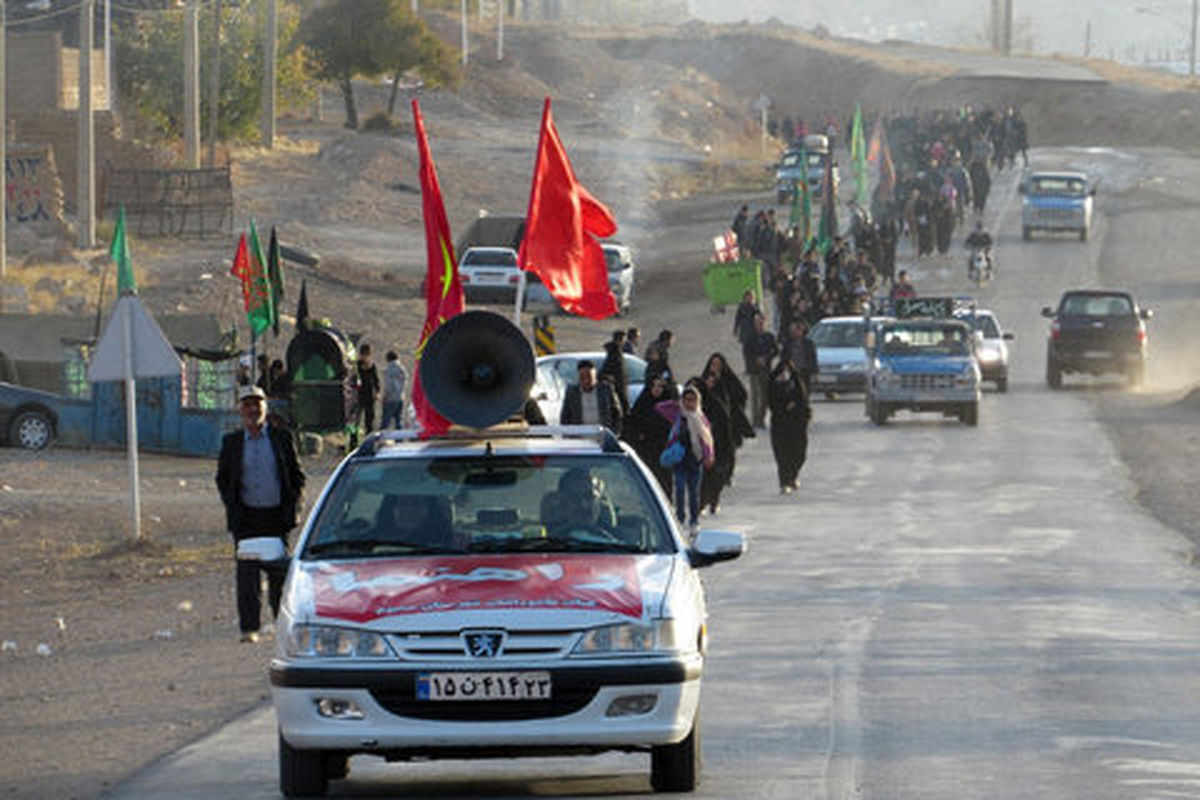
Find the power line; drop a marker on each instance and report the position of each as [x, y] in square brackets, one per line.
[58, 12]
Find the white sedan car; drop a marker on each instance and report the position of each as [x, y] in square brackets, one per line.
[566, 367]
[520, 592]
[991, 346]
[489, 274]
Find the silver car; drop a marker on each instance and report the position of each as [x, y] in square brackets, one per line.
[622, 274]
[842, 357]
[991, 346]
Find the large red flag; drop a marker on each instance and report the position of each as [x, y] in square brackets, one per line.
[561, 227]
[443, 289]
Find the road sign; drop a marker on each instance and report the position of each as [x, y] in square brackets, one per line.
[153, 355]
[762, 103]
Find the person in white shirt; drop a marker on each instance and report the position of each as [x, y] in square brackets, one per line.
[395, 378]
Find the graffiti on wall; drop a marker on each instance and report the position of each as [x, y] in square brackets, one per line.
[32, 191]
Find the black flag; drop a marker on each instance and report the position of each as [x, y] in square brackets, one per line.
[302, 308]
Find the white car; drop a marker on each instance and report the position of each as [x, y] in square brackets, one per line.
[991, 346]
[622, 274]
[489, 274]
[842, 356]
[491, 594]
[566, 367]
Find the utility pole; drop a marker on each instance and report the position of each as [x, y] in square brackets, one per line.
[214, 85]
[1087, 40]
[270, 53]
[108, 56]
[191, 85]
[1008, 27]
[500, 30]
[1192, 48]
[3, 154]
[86, 196]
[465, 43]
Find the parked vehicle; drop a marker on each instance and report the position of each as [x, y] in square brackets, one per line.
[27, 416]
[1096, 331]
[1057, 201]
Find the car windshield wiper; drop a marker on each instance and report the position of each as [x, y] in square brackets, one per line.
[566, 544]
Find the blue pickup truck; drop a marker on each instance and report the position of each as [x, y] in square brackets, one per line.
[923, 361]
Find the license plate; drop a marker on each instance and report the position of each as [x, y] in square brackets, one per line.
[826, 378]
[1097, 354]
[491, 277]
[483, 686]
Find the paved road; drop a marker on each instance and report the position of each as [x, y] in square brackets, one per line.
[940, 612]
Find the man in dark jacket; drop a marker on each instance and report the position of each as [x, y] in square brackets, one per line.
[591, 402]
[261, 484]
[759, 351]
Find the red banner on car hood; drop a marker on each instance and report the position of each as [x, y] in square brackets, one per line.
[361, 592]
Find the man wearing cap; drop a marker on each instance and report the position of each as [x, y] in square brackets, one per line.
[591, 402]
[260, 481]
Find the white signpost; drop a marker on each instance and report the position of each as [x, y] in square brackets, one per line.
[132, 347]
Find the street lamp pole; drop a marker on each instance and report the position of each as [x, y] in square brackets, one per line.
[1192, 49]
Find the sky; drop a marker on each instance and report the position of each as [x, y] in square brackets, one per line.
[1129, 31]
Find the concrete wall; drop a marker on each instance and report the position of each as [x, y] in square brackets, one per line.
[43, 75]
[33, 191]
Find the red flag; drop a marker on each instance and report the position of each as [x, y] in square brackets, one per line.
[561, 228]
[443, 289]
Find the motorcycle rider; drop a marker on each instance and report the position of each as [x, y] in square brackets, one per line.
[979, 239]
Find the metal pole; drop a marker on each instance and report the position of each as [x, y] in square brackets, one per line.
[108, 55]
[191, 85]
[1008, 27]
[500, 32]
[214, 85]
[465, 43]
[270, 53]
[131, 433]
[86, 192]
[1087, 40]
[519, 300]
[1192, 49]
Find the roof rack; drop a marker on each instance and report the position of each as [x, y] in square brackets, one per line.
[598, 433]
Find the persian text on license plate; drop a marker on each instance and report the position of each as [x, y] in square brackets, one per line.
[1096, 354]
[483, 686]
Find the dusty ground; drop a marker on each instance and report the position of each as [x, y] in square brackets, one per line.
[141, 653]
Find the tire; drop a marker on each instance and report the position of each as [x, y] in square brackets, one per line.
[781, 197]
[676, 767]
[302, 773]
[1053, 374]
[1136, 376]
[1083, 234]
[879, 414]
[31, 430]
[1026, 233]
[1002, 384]
[970, 415]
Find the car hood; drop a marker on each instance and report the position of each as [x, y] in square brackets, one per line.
[836, 356]
[509, 589]
[926, 365]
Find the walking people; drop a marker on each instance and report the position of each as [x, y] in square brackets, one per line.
[790, 414]
[758, 352]
[260, 482]
[690, 428]
[365, 392]
[394, 380]
[720, 420]
[647, 431]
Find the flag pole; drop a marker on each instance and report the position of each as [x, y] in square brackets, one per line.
[131, 433]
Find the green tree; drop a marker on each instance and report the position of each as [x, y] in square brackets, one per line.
[149, 69]
[367, 38]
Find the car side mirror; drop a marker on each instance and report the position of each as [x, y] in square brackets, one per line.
[1146, 313]
[1008, 337]
[541, 396]
[711, 547]
[1048, 312]
[1092, 192]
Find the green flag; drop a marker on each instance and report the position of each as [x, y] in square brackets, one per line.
[261, 312]
[119, 252]
[858, 154]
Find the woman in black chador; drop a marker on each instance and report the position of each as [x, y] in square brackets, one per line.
[647, 431]
[717, 410]
[790, 413]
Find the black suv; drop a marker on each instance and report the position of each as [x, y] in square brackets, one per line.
[1096, 331]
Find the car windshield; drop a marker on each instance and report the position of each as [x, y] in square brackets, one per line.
[1096, 305]
[791, 159]
[474, 504]
[924, 340]
[491, 258]
[838, 334]
[612, 259]
[1070, 187]
[985, 324]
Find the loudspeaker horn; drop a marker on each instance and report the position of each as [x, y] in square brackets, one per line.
[477, 369]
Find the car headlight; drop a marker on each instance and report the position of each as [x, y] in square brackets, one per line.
[853, 366]
[660, 635]
[327, 641]
[989, 355]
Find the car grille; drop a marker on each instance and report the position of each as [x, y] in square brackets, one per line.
[1057, 215]
[926, 382]
[566, 701]
[447, 647]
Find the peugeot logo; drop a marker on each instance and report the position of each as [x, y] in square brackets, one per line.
[483, 644]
